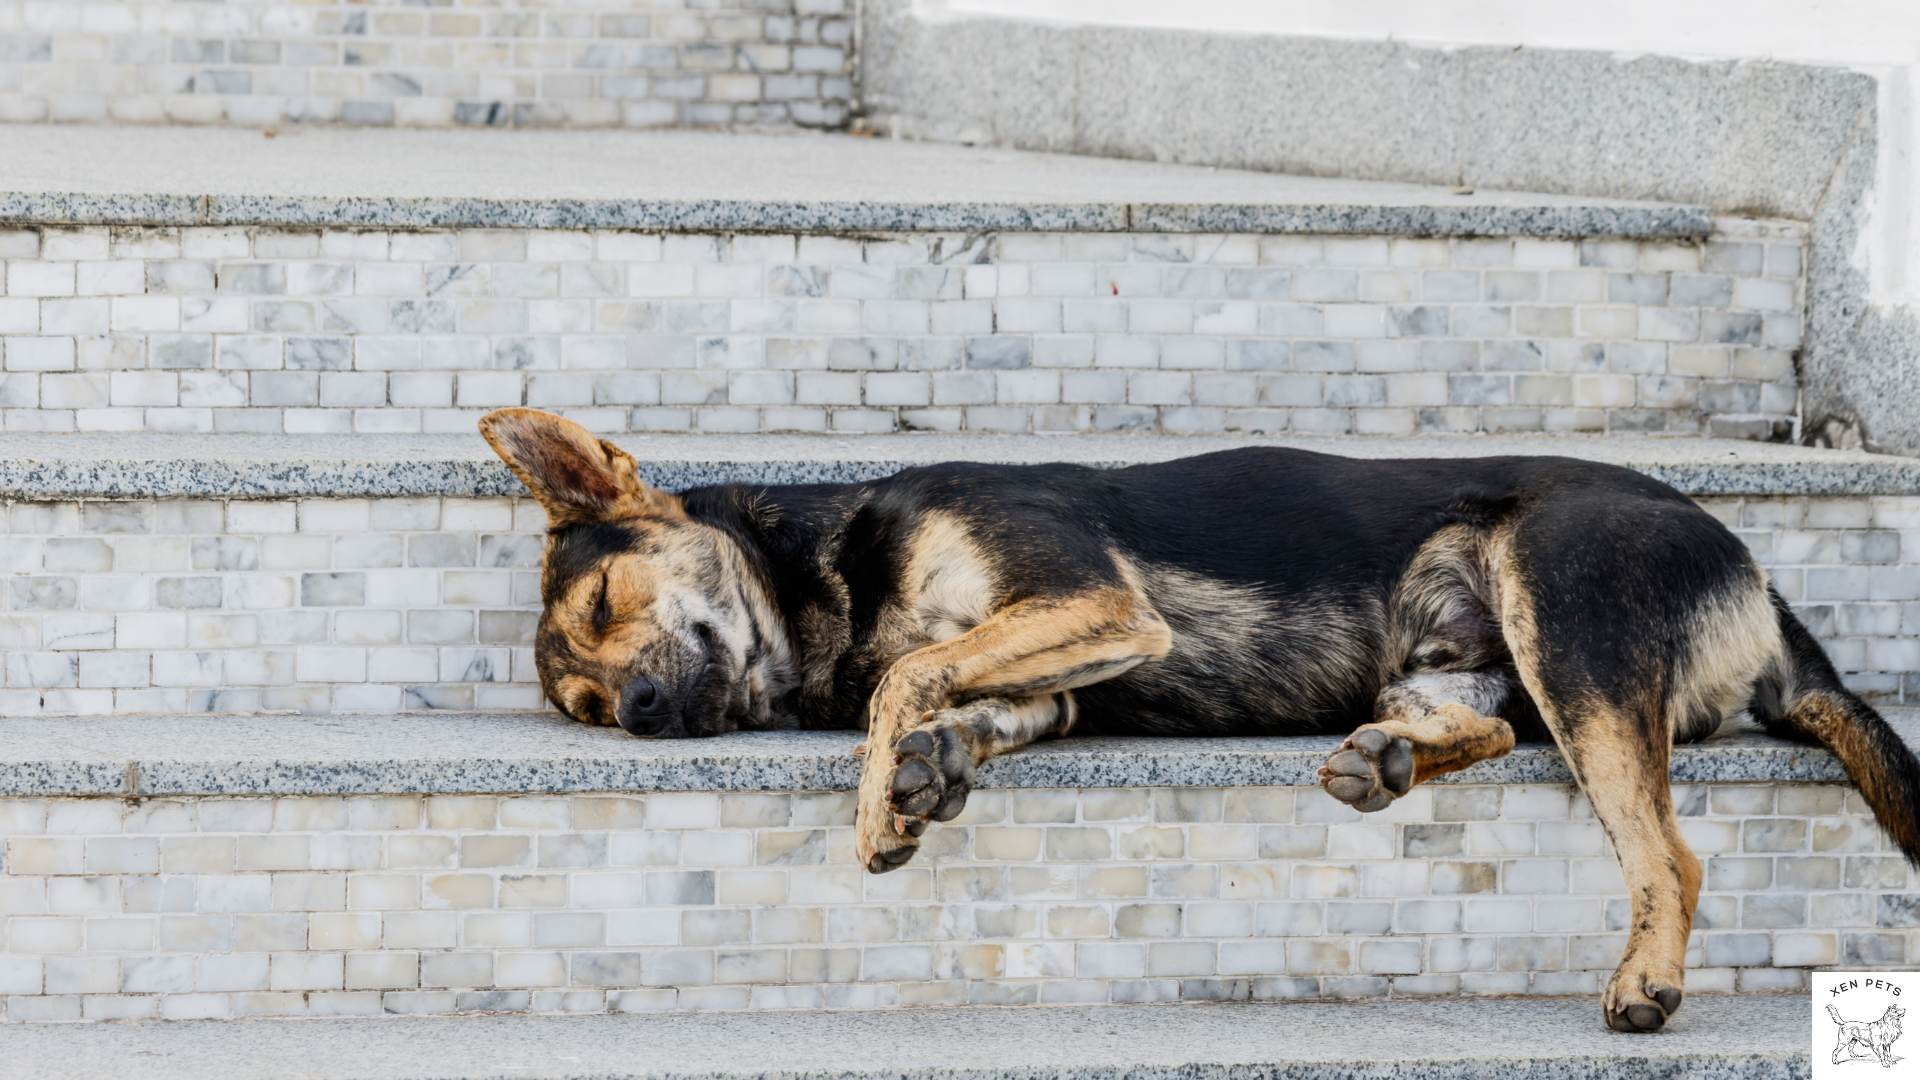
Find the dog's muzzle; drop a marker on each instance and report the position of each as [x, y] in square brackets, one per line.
[644, 710]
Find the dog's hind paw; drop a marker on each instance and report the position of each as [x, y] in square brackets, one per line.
[1369, 771]
[1639, 1008]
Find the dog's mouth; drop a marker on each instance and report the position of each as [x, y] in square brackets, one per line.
[705, 716]
[703, 708]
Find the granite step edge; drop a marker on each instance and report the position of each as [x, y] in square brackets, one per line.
[541, 753]
[264, 467]
[1543, 219]
[1747, 1037]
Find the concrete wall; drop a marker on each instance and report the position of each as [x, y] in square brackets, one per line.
[1793, 140]
[1877, 37]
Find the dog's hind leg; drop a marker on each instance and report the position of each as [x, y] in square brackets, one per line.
[1624, 776]
[1424, 726]
[1630, 627]
[1616, 737]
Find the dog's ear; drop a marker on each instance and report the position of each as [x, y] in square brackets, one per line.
[576, 476]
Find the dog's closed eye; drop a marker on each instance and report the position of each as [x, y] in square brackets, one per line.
[588, 706]
[602, 611]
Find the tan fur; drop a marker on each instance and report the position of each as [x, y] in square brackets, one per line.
[1731, 640]
[1212, 620]
[1624, 776]
[601, 481]
[1450, 581]
[989, 727]
[663, 594]
[689, 574]
[1448, 739]
[1828, 719]
[583, 698]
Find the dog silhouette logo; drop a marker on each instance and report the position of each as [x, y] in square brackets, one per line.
[1862, 1040]
[1857, 1020]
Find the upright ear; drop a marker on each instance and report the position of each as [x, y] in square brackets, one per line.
[576, 476]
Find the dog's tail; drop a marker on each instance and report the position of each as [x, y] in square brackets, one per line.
[1835, 1013]
[1807, 703]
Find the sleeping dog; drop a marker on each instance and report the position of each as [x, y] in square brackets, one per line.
[1434, 611]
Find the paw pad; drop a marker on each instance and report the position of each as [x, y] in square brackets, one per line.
[1644, 1017]
[1369, 771]
[934, 774]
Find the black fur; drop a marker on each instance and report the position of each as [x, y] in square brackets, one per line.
[1308, 535]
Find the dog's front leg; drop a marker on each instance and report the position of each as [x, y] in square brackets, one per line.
[935, 761]
[1031, 649]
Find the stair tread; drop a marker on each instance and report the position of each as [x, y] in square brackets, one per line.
[694, 180]
[1711, 1037]
[188, 465]
[364, 753]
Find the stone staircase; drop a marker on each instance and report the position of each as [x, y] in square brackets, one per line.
[274, 746]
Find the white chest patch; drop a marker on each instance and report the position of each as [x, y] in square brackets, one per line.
[949, 581]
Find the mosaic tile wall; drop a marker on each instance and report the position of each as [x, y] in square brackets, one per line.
[518, 63]
[326, 906]
[269, 331]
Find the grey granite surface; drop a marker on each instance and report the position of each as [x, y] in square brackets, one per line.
[1752, 1037]
[1748, 137]
[1859, 382]
[685, 181]
[267, 466]
[379, 753]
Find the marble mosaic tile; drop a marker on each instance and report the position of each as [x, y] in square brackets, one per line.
[260, 330]
[181, 908]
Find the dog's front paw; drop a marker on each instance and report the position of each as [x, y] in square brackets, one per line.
[925, 779]
[1369, 771]
[883, 838]
[933, 775]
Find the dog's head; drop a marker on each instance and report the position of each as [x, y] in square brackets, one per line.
[651, 620]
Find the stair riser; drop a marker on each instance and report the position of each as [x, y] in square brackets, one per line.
[697, 900]
[268, 330]
[597, 63]
[322, 605]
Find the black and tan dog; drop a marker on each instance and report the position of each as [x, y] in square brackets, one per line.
[1435, 610]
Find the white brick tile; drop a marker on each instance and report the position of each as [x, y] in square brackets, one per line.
[1393, 889]
[1156, 294]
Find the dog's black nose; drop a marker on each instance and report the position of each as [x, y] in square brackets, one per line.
[643, 708]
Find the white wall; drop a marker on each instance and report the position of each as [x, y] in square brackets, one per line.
[1879, 37]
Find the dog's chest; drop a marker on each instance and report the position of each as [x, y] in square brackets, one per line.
[948, 585]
